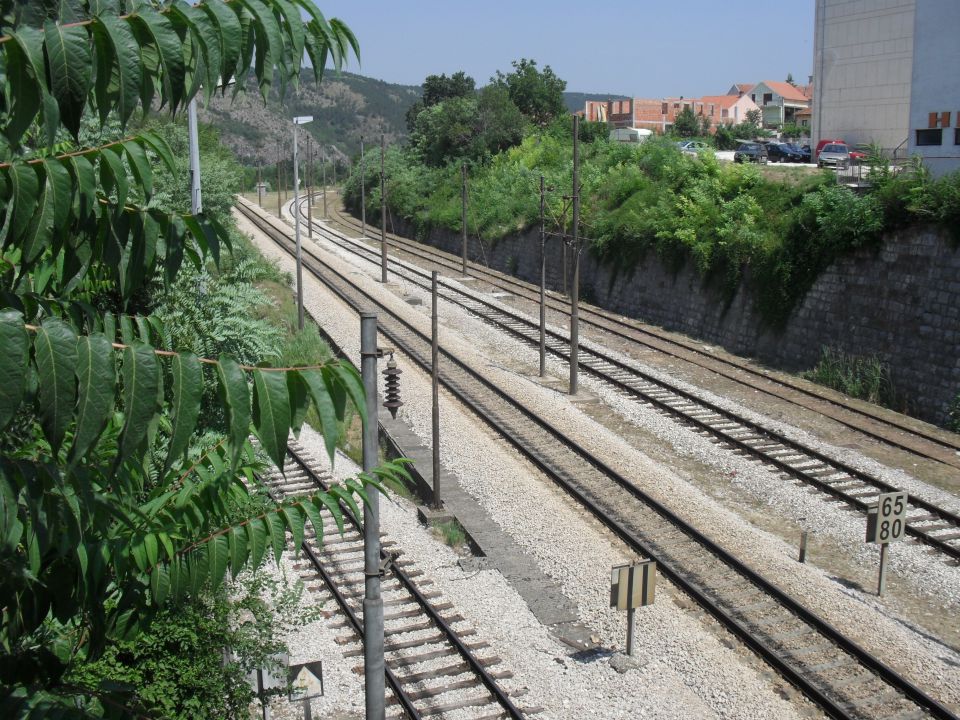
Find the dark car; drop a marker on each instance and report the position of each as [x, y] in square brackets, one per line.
[782, 152]
[802, 150]
[750, 152]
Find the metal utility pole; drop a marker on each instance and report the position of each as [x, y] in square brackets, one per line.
[383, 210]
[575, 283]
[196, 204]
[309, 189]
[463, 212]
[260, 183]
[435, 385]
[363, 193]
[324, 183]
[543, 283]
[279, 212]
[303, 119]
[373, 664]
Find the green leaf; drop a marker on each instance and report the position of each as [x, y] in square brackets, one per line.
[271, 413]
[26, 188]
[140, 374]
[187, 393]
[60, 187]
[26, 78]
[160, 32]
[294, 518]
[127, 66]
[13, 364]
[333, 507]
[257, 532]
[96, 380]
[68, 57]
[235, 397]
[229, 35]
[160, 584]
[140, 166]
[55, 351]
[278, 534]
[160, 147]
[237, 539]
[85, 183]
[299, 400]
[219, 553]
[312, 510]
[343, 494]
[40, 232]
[269, 45]
[325, 409]
[113, 174]
[350, 380]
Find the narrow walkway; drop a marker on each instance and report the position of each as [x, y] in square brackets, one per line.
[541, 593]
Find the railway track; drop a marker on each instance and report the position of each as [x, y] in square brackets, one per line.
[927, 522]
[843, 678]
[433, 667]
[913, 437]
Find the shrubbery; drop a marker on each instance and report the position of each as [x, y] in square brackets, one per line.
[651, 197]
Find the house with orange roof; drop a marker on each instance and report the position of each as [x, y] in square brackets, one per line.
[740, 89]
[724, 109]
[779, 102]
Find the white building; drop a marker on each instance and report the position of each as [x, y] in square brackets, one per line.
[882, 69]
[935, 87]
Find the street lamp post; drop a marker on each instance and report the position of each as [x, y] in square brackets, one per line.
[575, 283]
[383, 211]
[300, 120]
[363, 193]
[325, 183]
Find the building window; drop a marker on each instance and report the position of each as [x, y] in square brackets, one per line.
[724, 113]
[767, 98]
[956, 136]
[663, 108]
[929, 137]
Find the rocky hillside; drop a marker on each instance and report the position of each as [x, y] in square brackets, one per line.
[345, 106]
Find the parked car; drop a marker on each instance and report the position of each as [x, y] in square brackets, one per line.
[802, 150]
[692, 147]
[782, 152]
[854, 154]
[834, 155]
[750, 152]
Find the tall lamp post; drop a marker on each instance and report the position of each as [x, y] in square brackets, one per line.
[363, 193]
[299, 120]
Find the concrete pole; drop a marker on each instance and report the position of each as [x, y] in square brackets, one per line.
[373, 664]
[575, 283]
[279, 214]
[463, 212]
[296, 224]
[882, 578]
[325, 184]
[260, 184]
[363, 193]
[543, 283]
[435, 383]
[383, 210]
[309, 188]
[196, 202]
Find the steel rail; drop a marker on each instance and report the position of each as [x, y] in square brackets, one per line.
[405, 702]
[920, 534]
[475, 665]
[874, 665]
[611, 322]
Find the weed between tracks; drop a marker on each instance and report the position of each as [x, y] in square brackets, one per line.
[452, 533]
[866, 378]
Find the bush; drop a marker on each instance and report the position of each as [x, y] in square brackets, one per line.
[866, 378]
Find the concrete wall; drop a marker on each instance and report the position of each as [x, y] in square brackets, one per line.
[901, 303]
[862, 66]
[935, 86]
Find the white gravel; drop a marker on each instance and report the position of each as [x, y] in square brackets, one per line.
[689, 671]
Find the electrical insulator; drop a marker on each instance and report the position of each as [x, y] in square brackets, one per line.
[392, 374]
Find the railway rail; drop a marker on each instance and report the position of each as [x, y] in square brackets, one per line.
[434, 672]
[927, 443]
[927, 522]
[843, 678]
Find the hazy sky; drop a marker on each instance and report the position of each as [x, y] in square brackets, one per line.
[634, 47]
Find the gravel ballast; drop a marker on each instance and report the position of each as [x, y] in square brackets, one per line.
[685, 665]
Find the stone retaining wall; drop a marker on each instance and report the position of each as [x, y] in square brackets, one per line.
[901, 303]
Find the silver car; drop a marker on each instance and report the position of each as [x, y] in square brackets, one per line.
[834, 155]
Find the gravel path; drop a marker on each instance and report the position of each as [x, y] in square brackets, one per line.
[689, 669]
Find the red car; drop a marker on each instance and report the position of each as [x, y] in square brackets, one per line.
[854, 154]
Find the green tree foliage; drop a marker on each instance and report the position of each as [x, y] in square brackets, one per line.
[104, 520]
[436, 89]
[754, 117]
[686, 124]
[793, 131]
[538, 93]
